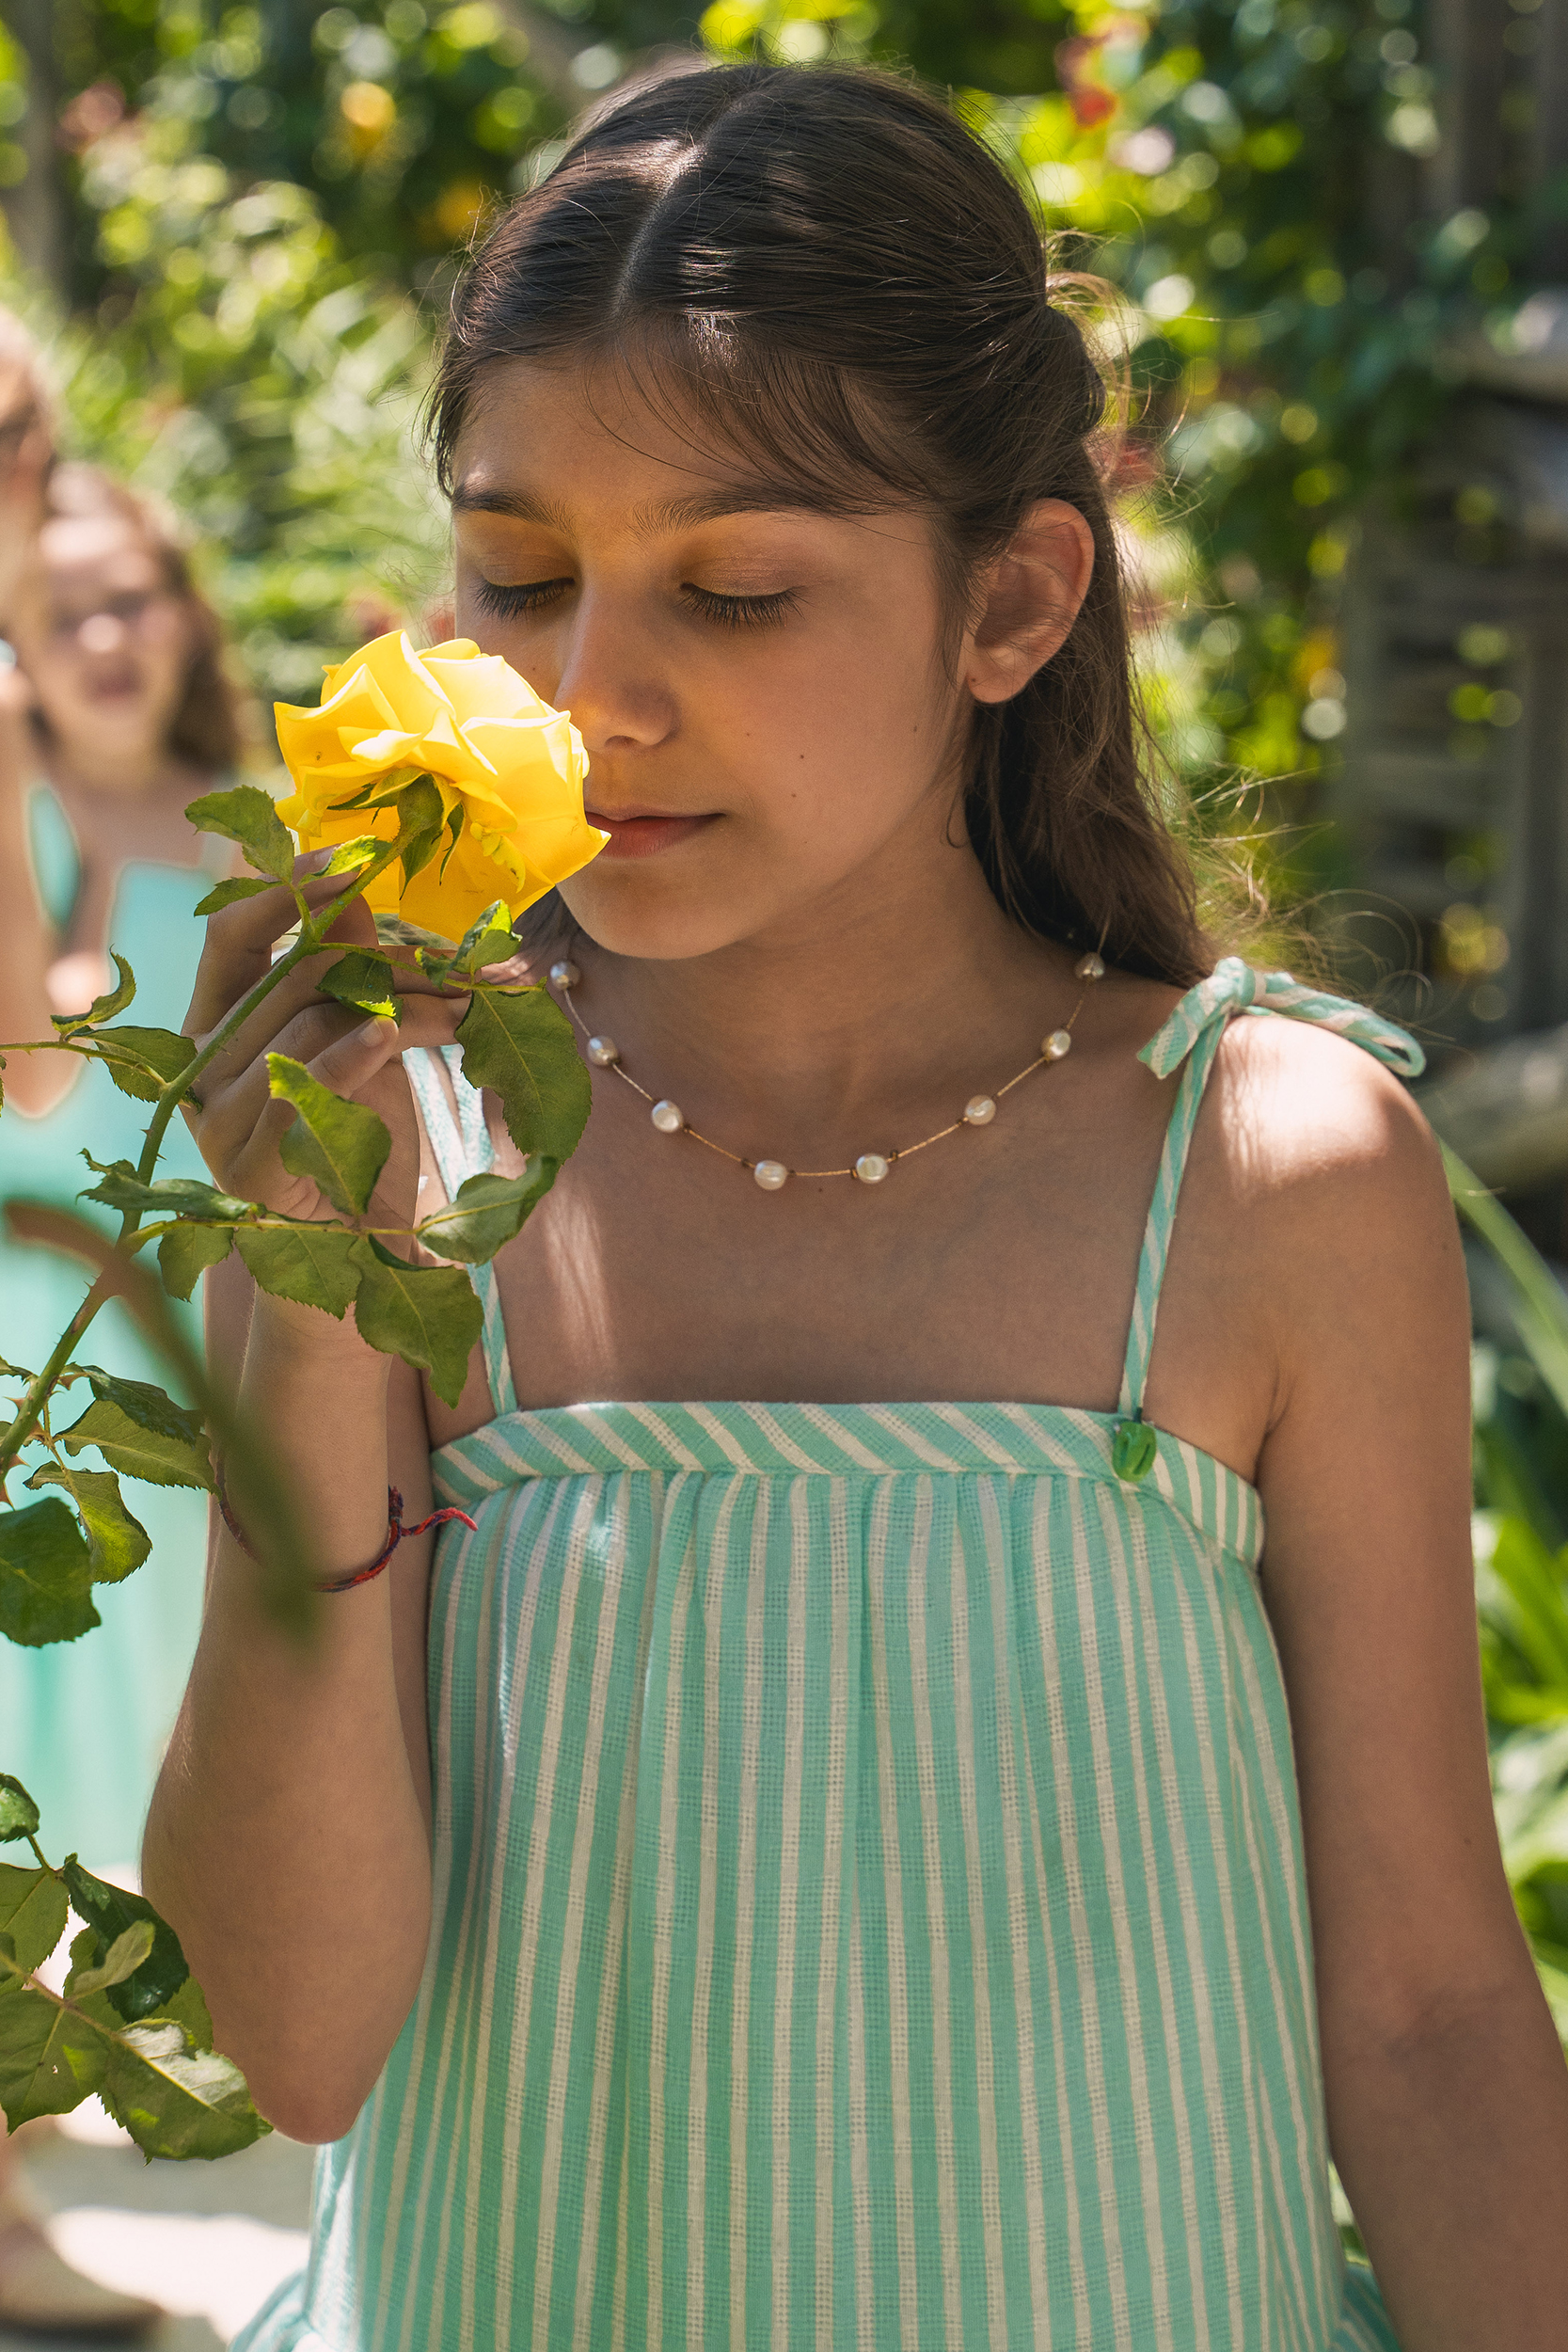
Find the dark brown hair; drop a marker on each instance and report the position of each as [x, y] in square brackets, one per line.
[833, 278]
[209, 725]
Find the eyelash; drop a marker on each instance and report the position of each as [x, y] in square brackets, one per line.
[534, 595]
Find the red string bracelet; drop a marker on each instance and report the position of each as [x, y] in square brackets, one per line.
[395, 1533]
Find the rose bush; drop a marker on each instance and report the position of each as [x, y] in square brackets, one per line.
[509, 770]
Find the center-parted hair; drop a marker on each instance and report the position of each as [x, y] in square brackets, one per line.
[821, 272]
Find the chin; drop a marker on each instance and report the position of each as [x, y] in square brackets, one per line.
[627, 912]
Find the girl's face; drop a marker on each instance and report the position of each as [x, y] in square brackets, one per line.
[761, 689]
[105, 643]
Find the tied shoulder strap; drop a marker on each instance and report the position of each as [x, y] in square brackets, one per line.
[1192, 1035]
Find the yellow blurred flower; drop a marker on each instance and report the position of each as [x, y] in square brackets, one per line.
[509, 770]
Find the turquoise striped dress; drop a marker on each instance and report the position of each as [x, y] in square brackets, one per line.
[869, 1908]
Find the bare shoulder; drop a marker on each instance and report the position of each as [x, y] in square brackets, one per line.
[1331, 1179]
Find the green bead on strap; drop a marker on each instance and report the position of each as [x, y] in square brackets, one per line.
[1134, 1447]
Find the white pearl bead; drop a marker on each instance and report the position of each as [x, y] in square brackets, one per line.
[771, 1174]
[1055, 1047]
[871, 1168]
[565, 974]
[603, 1050]
[667, 1118]
[979, 1111]
[1090, 968]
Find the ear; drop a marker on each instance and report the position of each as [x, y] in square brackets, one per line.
[1032, 593]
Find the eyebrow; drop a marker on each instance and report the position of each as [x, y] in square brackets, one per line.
[666, 514]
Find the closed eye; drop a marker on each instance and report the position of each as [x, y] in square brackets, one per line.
[509, 599]
[741, 611]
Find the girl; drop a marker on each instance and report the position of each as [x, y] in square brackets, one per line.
[119, 714]
[822, 1862]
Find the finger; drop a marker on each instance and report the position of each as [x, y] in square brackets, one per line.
[239, 941]
[245, 1125]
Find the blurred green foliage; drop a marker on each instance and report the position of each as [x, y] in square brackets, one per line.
[1243, 172]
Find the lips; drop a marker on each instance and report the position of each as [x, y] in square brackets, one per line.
[642, 833]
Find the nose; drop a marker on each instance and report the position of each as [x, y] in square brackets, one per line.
[611, 680]
[101, 633]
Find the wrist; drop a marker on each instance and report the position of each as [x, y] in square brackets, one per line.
[309, 1337]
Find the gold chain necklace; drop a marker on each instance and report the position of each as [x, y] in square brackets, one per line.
[872, 1167]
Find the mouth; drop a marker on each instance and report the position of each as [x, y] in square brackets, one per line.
[643, 832]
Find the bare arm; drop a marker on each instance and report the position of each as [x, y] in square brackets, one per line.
[1447, 2094]
[288, 1837]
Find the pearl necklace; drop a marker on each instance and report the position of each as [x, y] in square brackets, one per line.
[872, 1167]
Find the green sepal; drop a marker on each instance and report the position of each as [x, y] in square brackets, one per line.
[118, 1542]
[486, 1214]
[429, 1315]
[186, 1252]
[101, 1007]
[488, 940]
[177, 2102]
[45, 1576]
[18, 1813]
[142, 1062]
[1134, 1448]
[33, 1912]
[520, 1042]
[246, 814]
[230, 893]
[316, 1265]
[363, 980]
[341, 1146]
[51, 2059]
[108, 1912]
[141, 1433]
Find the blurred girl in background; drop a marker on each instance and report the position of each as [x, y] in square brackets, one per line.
[115, 714]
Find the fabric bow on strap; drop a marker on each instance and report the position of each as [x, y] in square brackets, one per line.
[1235, 987]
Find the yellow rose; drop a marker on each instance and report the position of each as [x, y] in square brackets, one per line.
[509, 770]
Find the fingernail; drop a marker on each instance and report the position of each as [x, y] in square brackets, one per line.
[375, 1031]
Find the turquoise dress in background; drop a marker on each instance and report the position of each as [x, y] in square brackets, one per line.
[84, 1724]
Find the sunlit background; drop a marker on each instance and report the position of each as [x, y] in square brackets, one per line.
[1336, 235]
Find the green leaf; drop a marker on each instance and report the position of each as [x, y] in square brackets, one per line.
[349, 856]
[317, 1266]
[486, 1214]
[108, 1912]
[175, 2101]
[230, 893]
[101, 1007]
[142, 1062]
[14, 1372]
[185, 1252]
[246, 814]
[187, 2008]
[146, 1405]
[120, 1187]
[363, 980]
[18, 1813]
[119, 1543]
[45, 1576]
[428, 1315]
[33, 1911]
[50, 2059]
[487, 941]
[520, 1042]
[161, 1452]
[422, 822]
[125, 1955]
[342, 1146]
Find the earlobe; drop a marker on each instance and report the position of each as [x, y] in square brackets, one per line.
[1035, 588]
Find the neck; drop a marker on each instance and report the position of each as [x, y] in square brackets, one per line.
[873, 1003]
